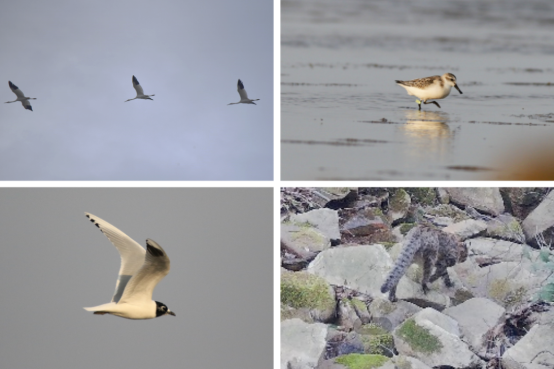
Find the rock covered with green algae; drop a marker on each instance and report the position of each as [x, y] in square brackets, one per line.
[307, 297]
[435, 339]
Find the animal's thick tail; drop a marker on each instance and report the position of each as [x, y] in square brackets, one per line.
[404, 260]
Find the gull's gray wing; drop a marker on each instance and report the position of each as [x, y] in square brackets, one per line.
[137, 86]
[16, 90]
[155, 268]
[132, 254]
[242, 91]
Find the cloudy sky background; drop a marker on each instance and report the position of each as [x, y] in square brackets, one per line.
[78, 58]
[55, 262]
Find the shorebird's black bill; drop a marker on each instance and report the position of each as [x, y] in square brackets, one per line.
[457, 88]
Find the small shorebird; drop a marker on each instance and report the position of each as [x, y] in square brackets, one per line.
[243, 95]
[140, 93]
[21, 97]
[434, 87]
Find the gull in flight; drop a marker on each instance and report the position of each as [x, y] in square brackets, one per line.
[21, 97]
[243, 96]
[140, 272]
[140, 93]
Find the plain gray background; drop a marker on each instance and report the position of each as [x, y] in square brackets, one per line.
[55, 262]
[78, 57]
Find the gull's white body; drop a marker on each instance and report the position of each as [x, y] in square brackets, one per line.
[140, 272]
[140, 92]
[20, 97]
[243, 95]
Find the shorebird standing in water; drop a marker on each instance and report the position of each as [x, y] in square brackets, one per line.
[434, 87]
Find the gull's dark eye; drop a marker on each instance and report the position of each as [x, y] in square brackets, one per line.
[164, 308]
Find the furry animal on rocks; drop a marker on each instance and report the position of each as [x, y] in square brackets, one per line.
[429, 247]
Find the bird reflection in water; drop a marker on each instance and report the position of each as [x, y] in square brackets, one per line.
[427, 132]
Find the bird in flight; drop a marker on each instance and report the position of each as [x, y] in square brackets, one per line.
[243, 95]
[140, 93]
[140, 272]
[20, 97]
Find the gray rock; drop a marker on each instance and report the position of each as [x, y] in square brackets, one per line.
[475, 317]
[443, 196]
[304, 239]
[506, 227]
[467, 228]
[325, 220]
[535, 349]
[485, 199]
[361, 268]
[364, 224]
[540, 220]
[306, 296]
[302, 344]
[390, 315]
[492, 251]
[399, 204]
[434, 339]
[520, 201]
[507, 283]
[348, 318]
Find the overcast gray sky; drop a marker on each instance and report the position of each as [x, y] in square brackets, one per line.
[55, 262]
[78, 57]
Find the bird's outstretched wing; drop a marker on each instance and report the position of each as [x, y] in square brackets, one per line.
[27, 105]
[16, 90]
[132, 254]
[155, 268]
[242, 91]
[137, 86]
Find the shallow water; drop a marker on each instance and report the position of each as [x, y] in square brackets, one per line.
[343, 117]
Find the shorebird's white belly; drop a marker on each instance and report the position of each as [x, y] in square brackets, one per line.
[431, 92]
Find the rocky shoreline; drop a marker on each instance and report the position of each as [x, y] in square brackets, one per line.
[338, 244]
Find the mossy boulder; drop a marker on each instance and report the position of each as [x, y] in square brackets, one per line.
[310, 295]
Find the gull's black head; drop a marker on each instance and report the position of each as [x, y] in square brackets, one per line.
[161, 309]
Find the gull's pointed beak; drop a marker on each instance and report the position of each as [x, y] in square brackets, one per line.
[171, 313]
[457, 88]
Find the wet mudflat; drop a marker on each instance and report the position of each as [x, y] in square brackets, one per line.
[344, 118]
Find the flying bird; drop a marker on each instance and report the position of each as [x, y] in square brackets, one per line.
[140, 93]
[243, 95]
[21, 97]
[140, 272]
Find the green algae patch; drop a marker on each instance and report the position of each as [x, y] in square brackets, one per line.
[422, 195]
[406, 227]
[399, 200]
[419, 338]
[305, 290]
[362, 361]
[307, 236]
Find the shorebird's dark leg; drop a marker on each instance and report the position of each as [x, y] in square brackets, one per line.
[418, 103]
[432, 102]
